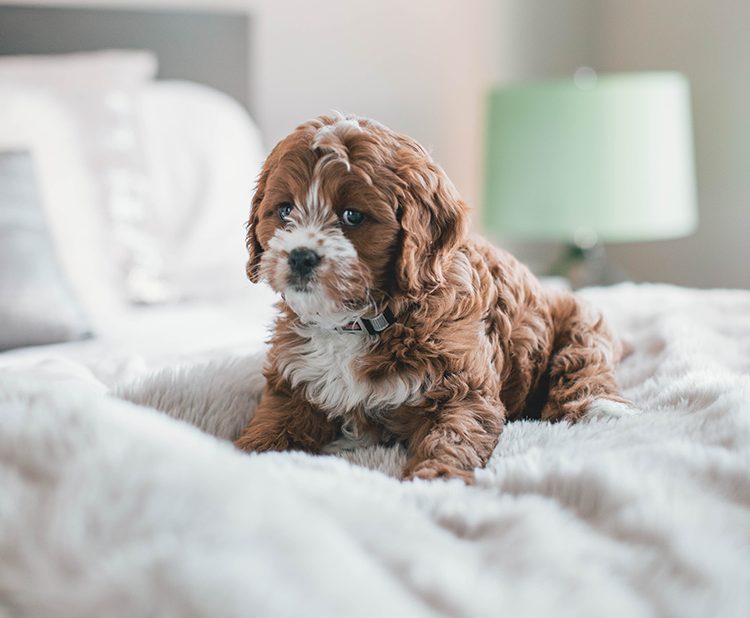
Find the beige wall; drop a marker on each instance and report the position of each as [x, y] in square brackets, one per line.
[419, 66]
[710, 43]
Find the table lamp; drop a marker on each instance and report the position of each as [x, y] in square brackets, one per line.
[591, 160]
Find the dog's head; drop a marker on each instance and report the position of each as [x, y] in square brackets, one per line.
[348, 213]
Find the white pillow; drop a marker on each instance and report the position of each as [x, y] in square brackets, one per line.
[204, 154]
[97, 92]
[30, 120]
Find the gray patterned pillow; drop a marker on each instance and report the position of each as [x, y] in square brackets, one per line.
[36, 305]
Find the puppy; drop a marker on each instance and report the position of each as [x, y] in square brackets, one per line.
[394, 324]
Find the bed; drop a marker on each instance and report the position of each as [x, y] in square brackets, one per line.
[121, 495]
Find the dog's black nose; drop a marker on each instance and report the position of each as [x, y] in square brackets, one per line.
[303, 261]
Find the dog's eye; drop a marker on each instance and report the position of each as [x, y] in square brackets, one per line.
[352, 218]
[284, 210]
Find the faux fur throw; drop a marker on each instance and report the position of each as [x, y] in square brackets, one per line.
[109, 508]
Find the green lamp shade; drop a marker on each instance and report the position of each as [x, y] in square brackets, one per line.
[611, 159]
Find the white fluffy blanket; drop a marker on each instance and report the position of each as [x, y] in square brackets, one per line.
[108, 508]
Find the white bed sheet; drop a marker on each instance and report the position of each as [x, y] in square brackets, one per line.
[146, 338]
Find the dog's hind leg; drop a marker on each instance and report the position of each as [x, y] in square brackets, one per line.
[582, 381]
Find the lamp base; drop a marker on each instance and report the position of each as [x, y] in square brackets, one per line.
[587, 266]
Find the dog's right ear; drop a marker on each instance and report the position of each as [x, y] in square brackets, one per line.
[254, 248]
[433, 221]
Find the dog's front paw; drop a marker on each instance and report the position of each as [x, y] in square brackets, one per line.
[255, 442]
[601, 409]
[431, 469]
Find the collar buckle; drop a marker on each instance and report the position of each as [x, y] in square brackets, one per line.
[371, 326]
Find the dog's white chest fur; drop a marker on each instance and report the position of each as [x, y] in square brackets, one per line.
[325, 364]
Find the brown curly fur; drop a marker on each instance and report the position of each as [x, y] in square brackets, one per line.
[475, 330]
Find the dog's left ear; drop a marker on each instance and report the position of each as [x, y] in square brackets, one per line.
[433, 223]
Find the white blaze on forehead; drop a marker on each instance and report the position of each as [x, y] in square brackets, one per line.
[315, 210]
[314, 198]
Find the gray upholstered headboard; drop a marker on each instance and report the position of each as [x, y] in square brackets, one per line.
[211, 48]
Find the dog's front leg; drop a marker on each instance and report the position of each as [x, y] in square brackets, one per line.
[286, 421]
[456, 440]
